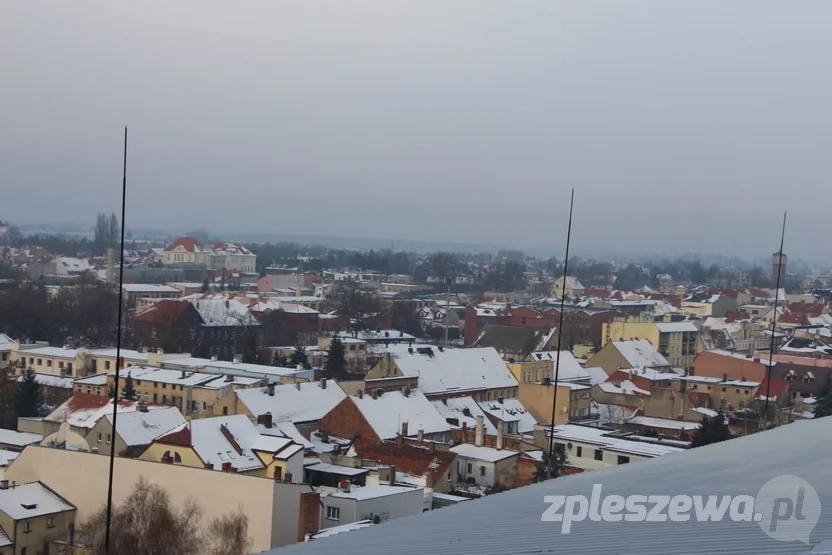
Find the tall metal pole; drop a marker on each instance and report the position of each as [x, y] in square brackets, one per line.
[560, 336]
[774, 319]
[118, 351]
[447, 311]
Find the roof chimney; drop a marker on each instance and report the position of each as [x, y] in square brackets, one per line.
[725, 377]
[142, 407]
[404, 429]
[297, 385]
[375, 393]
[500, 434]
[344, 486]
[420, 435]
[229, 378]
[360, 393]
[478, 437]
[4, 484]
[270, 389]
[323, 383]
[265, 420]
[392, 475]
[209, 466]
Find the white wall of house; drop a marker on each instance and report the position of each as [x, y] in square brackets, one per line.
[484, 473]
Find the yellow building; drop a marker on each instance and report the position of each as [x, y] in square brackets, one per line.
[536, 392]
[195, 394]
[229, 444]
[32, 515]
[678, 342]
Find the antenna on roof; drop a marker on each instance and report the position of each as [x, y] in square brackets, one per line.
[118, 349]
[560, 335]
[774, 320]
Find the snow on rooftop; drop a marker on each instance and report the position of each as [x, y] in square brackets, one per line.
[625, 387]
[456, 370]
[663, 423]
[141, 428]
[511, 410]
[83, 410]
[50, 352]
[335, 530]
[26, 501]
[604, 439]
[378, 335]
[456, 408]
[18, 439]
[307, 402]
[6, 457]
[640, 353]
[127, 354]
[149, 288]
[390, 410]
[337, 469]
[373, 492]
[212, 446]
[50, 380]
[489, 454]
[676, 327]
[4, 342]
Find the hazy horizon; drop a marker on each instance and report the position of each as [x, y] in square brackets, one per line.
[683, 127]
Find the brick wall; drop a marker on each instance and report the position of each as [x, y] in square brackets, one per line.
[345, 420]
[310, 514]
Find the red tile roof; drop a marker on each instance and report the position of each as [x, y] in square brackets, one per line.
[775, 390]
[188, 242]
[809, 309]
[792, 318]
[165, 311]
[181, 437]
[410, 459]
[595, 292]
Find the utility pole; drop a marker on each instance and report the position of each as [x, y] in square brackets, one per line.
[447, 311]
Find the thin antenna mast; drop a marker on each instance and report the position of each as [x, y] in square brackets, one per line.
[774, 317]
[560, 335]
[118, 350]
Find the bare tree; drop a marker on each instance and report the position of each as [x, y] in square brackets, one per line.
[146, 523]
[614, 416]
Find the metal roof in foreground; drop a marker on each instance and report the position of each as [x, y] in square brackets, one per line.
[510, 523]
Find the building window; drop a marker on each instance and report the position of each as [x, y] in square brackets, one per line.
[225, 411]
[69, 367]
[100, 437]
[482, 470]
[579, 451]
[165, 386]
[98, 391]
[49, 362]
[204, 405]
[623, 460]
[164, 398]
[50, 522]
[60, 363]
[333, 513]
[27, 527]
[108, 438]
[106, 365]
[470, 468]
[40, 362]
[599, 455]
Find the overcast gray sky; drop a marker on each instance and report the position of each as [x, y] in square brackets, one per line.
[686, 126]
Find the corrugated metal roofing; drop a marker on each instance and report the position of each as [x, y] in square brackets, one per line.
[510, 523]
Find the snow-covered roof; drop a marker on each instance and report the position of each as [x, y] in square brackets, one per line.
[149, 288]
[126, 354]
[182, 377]
[335, 530]
[640, 353]
[569, 367]
[488, 454]
[287, 430]
[83, 410]
[4, 342]
[378, 335]
[75, 264]
[31, 500]
[18, 439]
[297, 403]
[337, 469]
[454, 370]
[50, 380]
[390, 410]
[706, 412]
[6, 457]
[50, 352]
[455, 407]
[605, 440]
[625, 387]
[373, 492]
[511, 410]
[675, 327]
[663, 423]
[141, 428]
[227, 439]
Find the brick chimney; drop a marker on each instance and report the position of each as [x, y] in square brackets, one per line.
[323, 383]
[226, 467]
[265, 420]
[392, 475]
[404, 429]
[420, 435]
[500, 435]
[287, 477]
[209, 466]
[399, 441]
[278, 474]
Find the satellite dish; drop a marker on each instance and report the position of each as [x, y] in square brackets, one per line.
[451, 443]
[569, 446]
